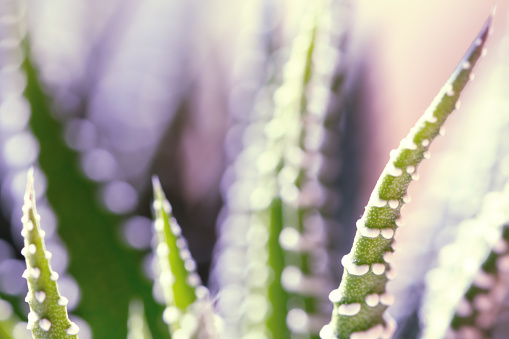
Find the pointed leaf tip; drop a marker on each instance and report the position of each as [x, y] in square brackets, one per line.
[157, 187]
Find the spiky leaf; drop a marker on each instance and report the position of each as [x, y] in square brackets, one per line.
[48, 309]
[187, 313]
[361, 299]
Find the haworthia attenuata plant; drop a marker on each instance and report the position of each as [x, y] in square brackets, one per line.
[361, 299]
[48, 309]
[186, 299]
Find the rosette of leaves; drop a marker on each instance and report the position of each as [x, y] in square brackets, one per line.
[361, 299]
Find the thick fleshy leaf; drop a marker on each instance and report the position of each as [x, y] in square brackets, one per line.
[186, 299]
[137, 327]
[89, 232]
[361, 299]
[48, 309]
[480, 307]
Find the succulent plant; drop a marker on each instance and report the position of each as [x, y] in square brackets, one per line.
[271, 276]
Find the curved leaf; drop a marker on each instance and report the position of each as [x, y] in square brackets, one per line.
[361, 299]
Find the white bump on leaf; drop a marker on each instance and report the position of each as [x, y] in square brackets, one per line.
[73, 329]
[372, 299]
[349, 309]
[63, 301]
[40, 296]
[45, 324]
[378, 268]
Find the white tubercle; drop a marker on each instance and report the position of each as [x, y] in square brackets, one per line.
[45, 324]
[360, 223]
[464, 309]
[327, 333]
[32, 249]
[163, 250]
[387, 299]
[393, 204]
[407, 199]
[483, 302]
[500, 247]
[449, 90]
[40, 296]
[387, 233]
[458, 104]
[48, 255]
[503, 263]
[349, 309]
[390, 274]
[426, 154]
[159, 223]
[289, 238]
[394, 171]
[399, 222]
[471, 77]
[441, 131]
[29, 225]
[372, 299]
[388, 256]
[484, 280]
[374, 332]
[425, 143]
[410, 169]
[24, 251]
[33, 317]
[369, 232]
[335, 296]
[408, 144]
[35, 272]
[377, 202]
[415, 176]
[431, 118]
[54, 276]
[63, 301]
[352, 268]
[466, 65]
[73, 329]
[378, 268]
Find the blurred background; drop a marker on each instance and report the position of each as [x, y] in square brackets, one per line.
[157, 87]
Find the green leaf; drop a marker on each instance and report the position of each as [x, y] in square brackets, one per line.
[188, 308]
[361, 299]
[8, 320]
[107, 272]
[479, 308]
[137, 327]
[48, 309]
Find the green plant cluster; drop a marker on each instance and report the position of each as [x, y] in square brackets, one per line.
[271, 271]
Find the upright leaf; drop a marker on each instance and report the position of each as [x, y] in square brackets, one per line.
[48, 309]
[137, 326]
[361, 299]
[88, 230]
[188, 312]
